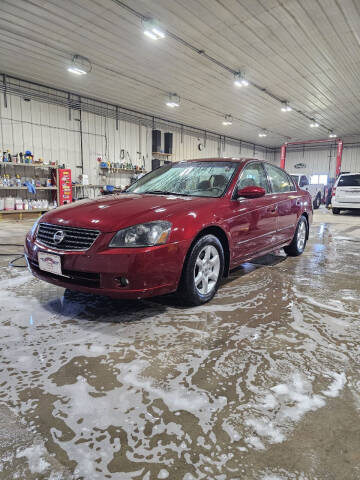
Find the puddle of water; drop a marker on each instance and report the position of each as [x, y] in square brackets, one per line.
[253, 385]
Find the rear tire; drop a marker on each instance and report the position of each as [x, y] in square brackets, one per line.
[317, 202]
[336, 211]
[202, 271]
[298, 243]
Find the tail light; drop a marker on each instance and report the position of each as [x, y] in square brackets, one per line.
[333, 192]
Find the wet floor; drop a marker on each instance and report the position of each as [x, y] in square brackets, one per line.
[261, 383]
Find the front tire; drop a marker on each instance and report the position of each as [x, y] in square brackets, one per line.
[202, 272]
[298, 243]
[336, 211]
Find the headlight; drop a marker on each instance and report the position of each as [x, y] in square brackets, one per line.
[142, 235]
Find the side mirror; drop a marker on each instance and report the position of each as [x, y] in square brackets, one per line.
[250, 192]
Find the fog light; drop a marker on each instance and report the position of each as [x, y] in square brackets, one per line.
[123, 281]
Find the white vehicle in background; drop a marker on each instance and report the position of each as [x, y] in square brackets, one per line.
[346, 193]
[316, 190]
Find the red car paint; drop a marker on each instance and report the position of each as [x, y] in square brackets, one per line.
[250, 228]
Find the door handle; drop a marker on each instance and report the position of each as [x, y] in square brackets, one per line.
[272, 209]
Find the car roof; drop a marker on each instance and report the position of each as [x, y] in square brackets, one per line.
[345, 174]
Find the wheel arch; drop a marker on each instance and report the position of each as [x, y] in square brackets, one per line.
[306, 215]
[221, 235]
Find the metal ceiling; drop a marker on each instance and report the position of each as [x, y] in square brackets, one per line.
[306, 52]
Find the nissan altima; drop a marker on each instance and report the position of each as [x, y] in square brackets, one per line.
[180, 228]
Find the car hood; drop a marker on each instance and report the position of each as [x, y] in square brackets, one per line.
[111, 213]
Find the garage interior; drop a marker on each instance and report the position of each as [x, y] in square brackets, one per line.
[262, 382]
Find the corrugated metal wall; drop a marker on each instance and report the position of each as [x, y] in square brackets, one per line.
[53, 133]
[321, 160]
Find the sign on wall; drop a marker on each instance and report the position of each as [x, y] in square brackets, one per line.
[300, 165]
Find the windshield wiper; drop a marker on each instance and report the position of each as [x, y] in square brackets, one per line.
[162, 192]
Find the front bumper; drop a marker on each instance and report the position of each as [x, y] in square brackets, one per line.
[101, 270]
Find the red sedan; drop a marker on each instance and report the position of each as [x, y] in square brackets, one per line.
[179, 228]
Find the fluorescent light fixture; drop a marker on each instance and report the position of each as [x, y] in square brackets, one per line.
[227, 120]
[240, 80]
[80, 65]
[153, 30]
[332, 135]
[263, 133]
[77, 71]
[173, 100]
[286, 107]
[314, 124]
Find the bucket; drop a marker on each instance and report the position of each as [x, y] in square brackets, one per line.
[9, 203]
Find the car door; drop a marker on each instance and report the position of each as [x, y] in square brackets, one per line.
[304, 185]
[253, 221]
[287, 199]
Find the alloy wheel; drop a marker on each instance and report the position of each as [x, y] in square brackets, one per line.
[207, 269]
[301, 236]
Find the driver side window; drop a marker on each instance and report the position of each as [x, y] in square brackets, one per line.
[253, 175]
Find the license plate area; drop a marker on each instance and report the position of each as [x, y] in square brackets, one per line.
[49, 262]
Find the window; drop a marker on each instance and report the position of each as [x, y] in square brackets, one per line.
[349, 181]
[280, 180]
[319, 179]
[253, 175]
[199, 179]
[323, 179]
[303, 181]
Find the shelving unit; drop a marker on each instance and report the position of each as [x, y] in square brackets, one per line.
[7, 167]
[35, 165]
[83, 188]
[161, 154]
[121, 170]
[2, 187]
[159, 159]
[35, 212]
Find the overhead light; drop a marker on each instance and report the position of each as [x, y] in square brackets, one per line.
[286, 107]
[240, 80]
[314, 124]
[80, 65]
[332, 135]
[263, 133]
[153, 30]
[227, 120]
[173, 100]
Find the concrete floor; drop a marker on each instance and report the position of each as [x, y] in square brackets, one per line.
[261, 383]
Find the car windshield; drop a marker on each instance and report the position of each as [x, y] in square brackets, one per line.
[295, 178]
[349, 181]
[199, 179]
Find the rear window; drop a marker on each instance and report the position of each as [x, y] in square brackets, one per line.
[349, 181]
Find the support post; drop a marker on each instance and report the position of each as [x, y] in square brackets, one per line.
[69, 104]
[283, 156]
[339, 151]
[5, 91]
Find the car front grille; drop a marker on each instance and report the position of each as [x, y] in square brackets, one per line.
[66, 238]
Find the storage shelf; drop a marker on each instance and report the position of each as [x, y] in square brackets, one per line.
[35, 165]
[33, 210]
[90, 185]
[162, 154]
[121, 170]
[2, 187]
